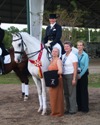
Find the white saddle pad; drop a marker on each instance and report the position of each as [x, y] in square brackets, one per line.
[7, 59]
[0, 51]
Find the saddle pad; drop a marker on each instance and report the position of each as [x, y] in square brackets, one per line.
[7, 59]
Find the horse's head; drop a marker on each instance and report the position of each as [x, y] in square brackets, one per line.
[19, 47]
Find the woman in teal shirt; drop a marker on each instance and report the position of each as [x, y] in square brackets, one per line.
[82, 82]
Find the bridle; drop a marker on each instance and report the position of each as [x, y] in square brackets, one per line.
[22, 43]
[22, 50]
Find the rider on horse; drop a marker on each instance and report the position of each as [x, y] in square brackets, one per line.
[3, 51]
[53, 34]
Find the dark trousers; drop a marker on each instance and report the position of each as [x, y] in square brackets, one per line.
[82, 93]
[2, 70]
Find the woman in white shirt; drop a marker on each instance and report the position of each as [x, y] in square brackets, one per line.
[69, 60]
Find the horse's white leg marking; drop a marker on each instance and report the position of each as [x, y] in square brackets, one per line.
[23, 87]
[39, 89]
[26, 92]
[44, 97]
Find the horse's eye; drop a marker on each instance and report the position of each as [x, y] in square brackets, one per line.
[19, 44]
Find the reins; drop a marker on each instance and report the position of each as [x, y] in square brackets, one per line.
[34, 53]
[29, 55]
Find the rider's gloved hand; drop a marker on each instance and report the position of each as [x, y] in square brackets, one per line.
[47, 44]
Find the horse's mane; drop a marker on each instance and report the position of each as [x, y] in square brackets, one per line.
[28, 36]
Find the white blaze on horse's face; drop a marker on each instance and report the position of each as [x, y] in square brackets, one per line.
[17, 45]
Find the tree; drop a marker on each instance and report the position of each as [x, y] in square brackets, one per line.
[13, 29]
[8, 35]
[71, 16]
[7, 39]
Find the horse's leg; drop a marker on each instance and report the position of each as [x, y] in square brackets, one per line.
[25, 79]
[23, 90]
[39, 89]
[44, 97]
[25, 87]
[26, 91]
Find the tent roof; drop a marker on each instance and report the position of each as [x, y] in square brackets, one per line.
[14, 11]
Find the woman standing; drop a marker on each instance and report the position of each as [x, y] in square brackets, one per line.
[56, 93]
[82, 83]
[69, 60]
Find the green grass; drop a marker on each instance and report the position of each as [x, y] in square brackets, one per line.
[94, 80]
[11, 78]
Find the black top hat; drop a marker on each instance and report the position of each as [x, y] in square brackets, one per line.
[52, 16]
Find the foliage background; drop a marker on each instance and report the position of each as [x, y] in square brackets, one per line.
[72, 34]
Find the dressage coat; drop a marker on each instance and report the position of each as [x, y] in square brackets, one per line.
[54, 34]
[2, 34]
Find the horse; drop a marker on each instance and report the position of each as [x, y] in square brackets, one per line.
[20, 70]
[37, 62]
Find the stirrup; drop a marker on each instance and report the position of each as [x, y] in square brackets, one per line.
[0, 72]
[3, 72]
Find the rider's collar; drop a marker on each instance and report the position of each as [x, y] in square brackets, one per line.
[51, 25]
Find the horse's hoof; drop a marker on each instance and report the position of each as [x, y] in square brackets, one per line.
[44, 112]
[39, 110]
[25, 98]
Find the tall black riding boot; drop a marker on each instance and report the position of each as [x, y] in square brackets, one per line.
[2, 64]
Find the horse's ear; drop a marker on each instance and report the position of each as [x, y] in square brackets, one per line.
[12, 34]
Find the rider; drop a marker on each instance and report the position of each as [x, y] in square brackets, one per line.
[53, 34]
[3, 51]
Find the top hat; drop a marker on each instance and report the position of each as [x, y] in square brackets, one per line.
[52, 16]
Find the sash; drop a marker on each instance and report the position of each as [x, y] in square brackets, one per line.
[38, 62]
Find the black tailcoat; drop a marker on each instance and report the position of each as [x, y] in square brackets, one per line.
[4, 51]
[2, 33]
[54, 34]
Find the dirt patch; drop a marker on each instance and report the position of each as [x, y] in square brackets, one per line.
[94, 66]
[14, 111]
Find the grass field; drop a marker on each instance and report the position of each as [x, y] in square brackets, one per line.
[11, 78]
[94, 79]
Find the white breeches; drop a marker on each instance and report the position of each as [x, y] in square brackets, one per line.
[0, 51]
